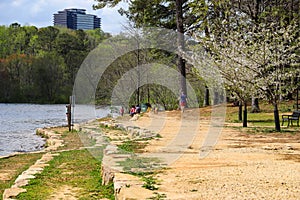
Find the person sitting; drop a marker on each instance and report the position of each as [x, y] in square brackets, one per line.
[132, 111]
[137, 109]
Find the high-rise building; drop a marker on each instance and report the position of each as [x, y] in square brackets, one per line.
[76, 19]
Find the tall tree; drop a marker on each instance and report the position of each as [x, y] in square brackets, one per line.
[159, 13]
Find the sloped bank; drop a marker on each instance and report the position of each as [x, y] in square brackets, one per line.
[126, 185]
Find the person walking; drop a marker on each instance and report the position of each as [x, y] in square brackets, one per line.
[122, 111]
[182, 101]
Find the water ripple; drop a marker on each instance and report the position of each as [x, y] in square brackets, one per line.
[19, 122]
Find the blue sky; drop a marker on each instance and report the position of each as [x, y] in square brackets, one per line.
[39, 13]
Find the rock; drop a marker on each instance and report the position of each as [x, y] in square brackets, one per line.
[108, 174]
[289, 147]
[110, 149]
[135, 117]
[12, 192]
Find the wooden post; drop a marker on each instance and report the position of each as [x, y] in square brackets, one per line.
[240, 110]
[297, 103]
[69, 116]
[245, 118]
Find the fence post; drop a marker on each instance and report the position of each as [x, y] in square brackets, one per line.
[69, 116]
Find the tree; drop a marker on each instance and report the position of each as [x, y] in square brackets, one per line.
[46, 38]
[4, 46]
[48, 77]
[254, 43]
[23, 61]
[94, 37]
[159, 13]
[261, 60]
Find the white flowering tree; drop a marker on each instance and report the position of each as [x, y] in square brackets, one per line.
[261, 60]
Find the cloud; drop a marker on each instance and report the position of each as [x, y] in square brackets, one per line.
[39, 13]
[17, 3]
[38, 8]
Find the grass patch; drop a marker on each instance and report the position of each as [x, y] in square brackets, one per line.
[106, 127]
[140, 165]
[262, 122]
[266, 130]
[12, 167]
[77, 169]
[131, 146]
[256, 119]
[158, 196]
[74, 139]
[150, 183]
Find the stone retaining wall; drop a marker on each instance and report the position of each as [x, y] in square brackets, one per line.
[124, 184]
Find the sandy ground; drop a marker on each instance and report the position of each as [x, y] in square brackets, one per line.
[241, 166]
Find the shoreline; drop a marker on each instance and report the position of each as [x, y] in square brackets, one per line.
[22, 119]
[42, 136]
[38, 151]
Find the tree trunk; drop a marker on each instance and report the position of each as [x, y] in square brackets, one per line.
[255, 105]
[206, 101]
[240, 111]
[245, 114]
[297, 99]
[180, 43]
[276, 118]
[139, 77]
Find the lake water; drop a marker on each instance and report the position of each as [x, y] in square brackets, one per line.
[18, 123]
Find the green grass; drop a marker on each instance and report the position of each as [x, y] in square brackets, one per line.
[131, 146]
[136, 165]
[158, 196]
[76, 169]
[150, 183]
[262, 122]
[75, 140]
[13, 166]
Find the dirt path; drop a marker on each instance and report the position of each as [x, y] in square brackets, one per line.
[241, 166]
[65, 193]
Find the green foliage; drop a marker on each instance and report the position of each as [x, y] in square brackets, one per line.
[40, 65]
[48, 87]
[153, 92]
[158, 196]
[218, 21]
[150, 183]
